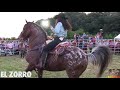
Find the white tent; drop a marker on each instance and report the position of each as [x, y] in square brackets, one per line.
[117, 37]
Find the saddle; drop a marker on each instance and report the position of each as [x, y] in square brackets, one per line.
[60, 48]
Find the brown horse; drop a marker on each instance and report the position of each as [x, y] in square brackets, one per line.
[72, 59]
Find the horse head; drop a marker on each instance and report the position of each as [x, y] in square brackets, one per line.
[32, 31]
[27, 30]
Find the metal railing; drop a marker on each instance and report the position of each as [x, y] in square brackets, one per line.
[86, 48]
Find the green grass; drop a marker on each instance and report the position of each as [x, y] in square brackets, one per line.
[15, 63]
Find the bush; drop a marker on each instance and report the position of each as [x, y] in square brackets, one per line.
[79, 31]
[109, 36]
[70, 35]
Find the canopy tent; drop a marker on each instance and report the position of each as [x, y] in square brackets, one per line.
[117, 37]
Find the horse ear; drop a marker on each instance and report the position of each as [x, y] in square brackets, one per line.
[26, 21]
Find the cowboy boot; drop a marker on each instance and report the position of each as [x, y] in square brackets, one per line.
[44, 58]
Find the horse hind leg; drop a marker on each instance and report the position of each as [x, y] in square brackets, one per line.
[73, 74]
[76, 72]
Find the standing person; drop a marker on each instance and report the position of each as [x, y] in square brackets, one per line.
[60, 32]
[76, 37]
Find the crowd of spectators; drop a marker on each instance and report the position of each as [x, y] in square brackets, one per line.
[10, 47]
[88, 42]
[84, 41]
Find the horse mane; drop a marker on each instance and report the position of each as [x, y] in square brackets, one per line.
[39, 28]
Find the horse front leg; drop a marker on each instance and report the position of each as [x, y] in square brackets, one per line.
[39, 70]
[30, 68]
[40, 73]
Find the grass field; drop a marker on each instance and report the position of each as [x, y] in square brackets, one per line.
[15, 63]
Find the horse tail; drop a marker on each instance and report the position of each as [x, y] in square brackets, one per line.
[100, 56]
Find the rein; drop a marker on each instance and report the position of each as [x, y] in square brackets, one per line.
[35, 36]
[33, 39]
[39, 48]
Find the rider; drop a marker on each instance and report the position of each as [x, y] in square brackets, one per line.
[60, 31]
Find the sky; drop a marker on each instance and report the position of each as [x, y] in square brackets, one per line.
[12, 23]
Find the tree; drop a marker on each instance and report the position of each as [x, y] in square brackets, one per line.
[92, 23]
[13, 38]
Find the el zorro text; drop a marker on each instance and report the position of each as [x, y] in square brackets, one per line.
[15, 74]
